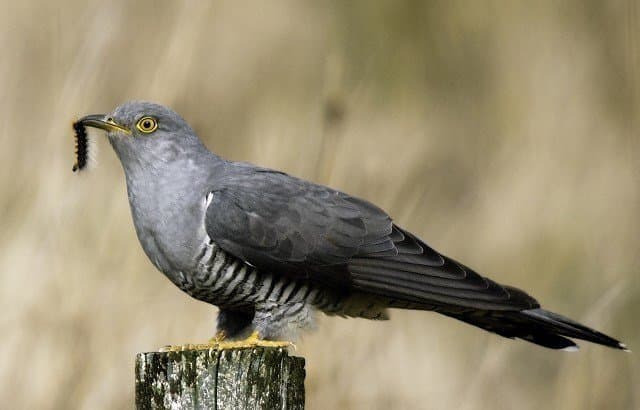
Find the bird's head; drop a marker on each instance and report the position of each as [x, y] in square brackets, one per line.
[145, 134]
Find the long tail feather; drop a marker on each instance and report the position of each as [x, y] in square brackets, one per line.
[538, 326]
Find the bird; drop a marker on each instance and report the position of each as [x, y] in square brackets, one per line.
[271, 250]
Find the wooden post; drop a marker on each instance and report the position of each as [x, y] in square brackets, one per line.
[254, 378]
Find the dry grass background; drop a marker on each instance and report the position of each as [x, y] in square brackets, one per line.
[504, 133]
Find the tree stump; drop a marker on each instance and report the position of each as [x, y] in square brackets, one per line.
[254, 378]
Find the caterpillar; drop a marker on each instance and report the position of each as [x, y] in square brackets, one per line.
[82, 146]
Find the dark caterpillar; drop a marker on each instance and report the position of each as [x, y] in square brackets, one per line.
[82, 146]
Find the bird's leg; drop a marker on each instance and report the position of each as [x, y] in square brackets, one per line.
[253, 340]
[235, 324]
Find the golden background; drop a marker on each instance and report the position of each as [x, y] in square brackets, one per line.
[506, 134]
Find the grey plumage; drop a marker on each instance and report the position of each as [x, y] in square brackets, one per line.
[270, 249]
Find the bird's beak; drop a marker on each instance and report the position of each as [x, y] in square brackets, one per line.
[100, 121]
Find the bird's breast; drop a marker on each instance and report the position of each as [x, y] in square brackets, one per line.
[168, 216]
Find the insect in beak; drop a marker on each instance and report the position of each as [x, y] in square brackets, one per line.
[83, 144]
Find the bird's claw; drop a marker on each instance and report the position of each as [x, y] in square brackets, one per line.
[253, 340]
[218, 343]
[188, 346]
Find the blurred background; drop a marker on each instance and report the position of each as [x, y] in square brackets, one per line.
[506, 134]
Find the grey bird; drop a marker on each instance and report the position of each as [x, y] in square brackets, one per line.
[269, 249]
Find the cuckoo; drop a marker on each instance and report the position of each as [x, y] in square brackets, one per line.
[271, 250]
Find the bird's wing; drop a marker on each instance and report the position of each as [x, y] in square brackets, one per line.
[290, 226]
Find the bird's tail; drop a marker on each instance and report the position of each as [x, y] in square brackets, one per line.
[537, 326]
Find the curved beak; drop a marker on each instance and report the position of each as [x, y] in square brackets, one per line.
[100, 121]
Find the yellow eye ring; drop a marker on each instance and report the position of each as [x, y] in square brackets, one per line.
[147, 124]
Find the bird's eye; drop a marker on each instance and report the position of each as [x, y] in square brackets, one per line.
[147, 124]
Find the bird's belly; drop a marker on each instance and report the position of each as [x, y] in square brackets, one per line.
[221, 279]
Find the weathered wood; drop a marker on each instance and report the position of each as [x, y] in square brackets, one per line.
[257, 378]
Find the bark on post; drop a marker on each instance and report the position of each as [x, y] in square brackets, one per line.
[256, 378]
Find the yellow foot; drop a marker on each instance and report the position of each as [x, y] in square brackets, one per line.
[253, 341]
[189, 346]
[218, 342]
[211, 344]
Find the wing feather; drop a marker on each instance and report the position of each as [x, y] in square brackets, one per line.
[293, 227]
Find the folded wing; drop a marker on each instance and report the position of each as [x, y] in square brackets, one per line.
[293, 227]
